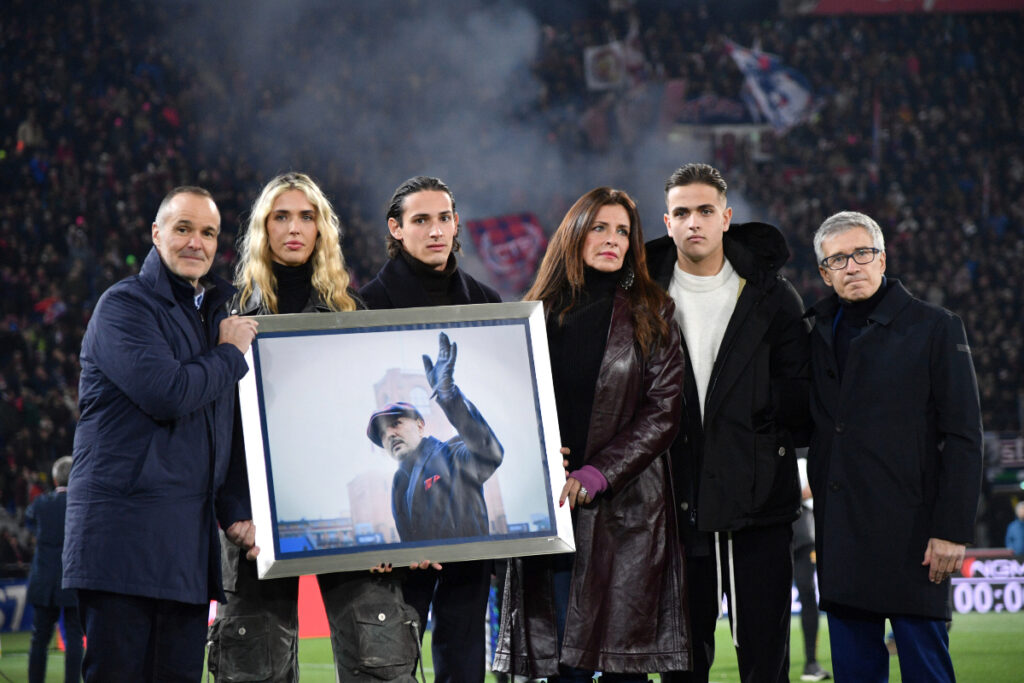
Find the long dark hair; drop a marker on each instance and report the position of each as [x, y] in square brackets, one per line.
[560, 277]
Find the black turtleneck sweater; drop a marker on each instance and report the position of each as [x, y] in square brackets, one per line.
[851, 319]
[577, 347]
[437, 283]
[294, 285]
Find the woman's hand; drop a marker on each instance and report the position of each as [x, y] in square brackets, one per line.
[424, 564]
[573, 488]
[574, 492]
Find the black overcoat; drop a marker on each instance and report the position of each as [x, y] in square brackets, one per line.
[735, 467]
[895, 456]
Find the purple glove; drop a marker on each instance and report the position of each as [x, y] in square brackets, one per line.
[592, 479]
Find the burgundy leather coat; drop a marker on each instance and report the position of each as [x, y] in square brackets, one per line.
[627, 605]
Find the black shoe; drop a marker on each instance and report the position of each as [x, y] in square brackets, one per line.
[814, 672]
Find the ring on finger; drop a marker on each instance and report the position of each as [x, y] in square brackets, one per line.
[583, 491]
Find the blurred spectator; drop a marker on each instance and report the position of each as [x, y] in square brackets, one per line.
[30, 133]
[13, 555]
[45, 518]
[1015, 531]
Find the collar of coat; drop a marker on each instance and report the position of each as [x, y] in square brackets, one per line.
[896, 298]
[156, 276]
[254, 305]
[755, 250]
[405, 290]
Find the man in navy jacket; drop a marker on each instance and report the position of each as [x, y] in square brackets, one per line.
[45, 518]
[895, 461]
[150, 479]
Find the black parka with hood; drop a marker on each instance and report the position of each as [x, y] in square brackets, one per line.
[736, 468]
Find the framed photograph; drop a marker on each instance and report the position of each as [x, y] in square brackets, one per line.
[402, 435]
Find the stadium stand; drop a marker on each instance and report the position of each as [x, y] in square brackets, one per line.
[98, 113]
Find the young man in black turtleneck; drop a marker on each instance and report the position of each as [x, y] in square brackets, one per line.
[895, 462]
[422, 240]
[423, 229]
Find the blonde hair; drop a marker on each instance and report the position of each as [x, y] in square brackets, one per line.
[254, 274]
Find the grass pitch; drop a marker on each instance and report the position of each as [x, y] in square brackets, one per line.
[985, 647]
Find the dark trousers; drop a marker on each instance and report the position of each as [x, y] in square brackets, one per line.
[133, 638]
[763, 569]
[803, 577]
[859, 653]
[267, 611]
[459, 595]
[45, 617]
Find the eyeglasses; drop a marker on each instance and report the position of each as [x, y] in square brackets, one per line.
[862, 256]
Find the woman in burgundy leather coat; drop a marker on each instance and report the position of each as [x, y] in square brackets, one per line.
[618, 604]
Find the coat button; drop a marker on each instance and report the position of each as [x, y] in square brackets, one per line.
[833, 486]
[782, 450]
[839, 427]
[241, 631]
[684, 505]
[831, 374]
[381, 617]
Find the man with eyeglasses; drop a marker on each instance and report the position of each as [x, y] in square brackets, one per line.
[895, 460]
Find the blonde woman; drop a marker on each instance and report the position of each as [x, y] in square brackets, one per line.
[291, 262]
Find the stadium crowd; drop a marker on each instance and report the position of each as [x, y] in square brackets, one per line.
[941, 164]
[918, 125]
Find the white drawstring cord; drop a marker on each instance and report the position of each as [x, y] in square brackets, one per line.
[718, 575]
[734, 610]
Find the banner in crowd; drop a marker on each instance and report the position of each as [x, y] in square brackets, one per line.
[511, 246]
[898, 6]
[618, 64]
[782, 94]
[15, 612]
[604, 66]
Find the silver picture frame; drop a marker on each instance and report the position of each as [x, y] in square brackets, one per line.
[321, 489]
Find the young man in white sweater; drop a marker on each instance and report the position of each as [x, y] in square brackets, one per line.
[746, 396]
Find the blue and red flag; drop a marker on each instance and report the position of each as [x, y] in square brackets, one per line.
[782, 94]
[510, 246]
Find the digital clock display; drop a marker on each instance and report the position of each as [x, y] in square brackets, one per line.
[984, 594]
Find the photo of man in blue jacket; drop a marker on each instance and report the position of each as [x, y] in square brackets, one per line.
[438, 489]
